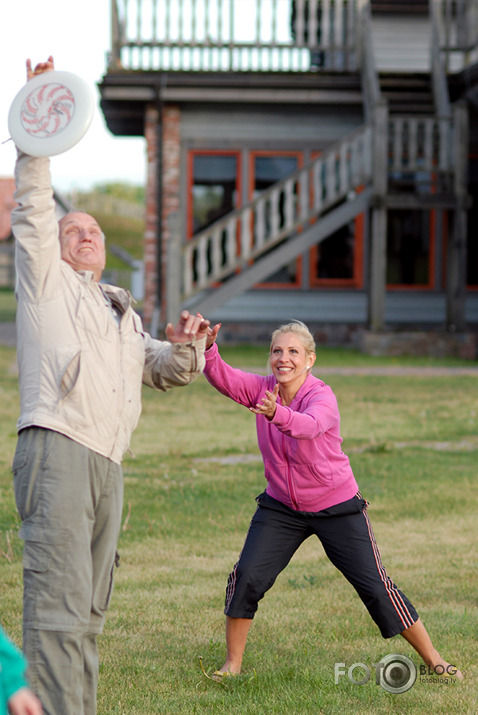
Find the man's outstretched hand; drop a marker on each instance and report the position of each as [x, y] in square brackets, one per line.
[189, 327]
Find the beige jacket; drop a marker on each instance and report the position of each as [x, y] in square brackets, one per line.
[79, 373]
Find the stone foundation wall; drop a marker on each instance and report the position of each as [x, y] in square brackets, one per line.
[431, 343]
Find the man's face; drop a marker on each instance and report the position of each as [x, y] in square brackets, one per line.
[82, 243]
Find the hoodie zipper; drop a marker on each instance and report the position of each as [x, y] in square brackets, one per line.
[288, 475]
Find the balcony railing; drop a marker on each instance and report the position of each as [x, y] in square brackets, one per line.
[457, 22]
[265, 35]
[235, 35]
[417, 144]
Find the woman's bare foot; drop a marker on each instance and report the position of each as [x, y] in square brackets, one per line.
[440, 666]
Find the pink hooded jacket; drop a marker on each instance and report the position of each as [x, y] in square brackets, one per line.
[304, 465]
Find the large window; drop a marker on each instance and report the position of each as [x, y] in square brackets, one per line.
[214, 183]
[410, 240]
[334, 256]
[214, 188]
[270, 168]
[266, 169]
[338, 259]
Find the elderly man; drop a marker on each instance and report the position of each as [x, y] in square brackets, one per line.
[83, 356]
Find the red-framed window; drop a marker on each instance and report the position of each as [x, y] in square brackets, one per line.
[411, 248]
[265, 169]
[338, 260]
[412, 236]
[214, 187]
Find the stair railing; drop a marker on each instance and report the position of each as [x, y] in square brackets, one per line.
[239, 238]
[420, 144]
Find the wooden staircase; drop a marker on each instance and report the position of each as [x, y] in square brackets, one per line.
[407, 94]
[250, 244]
[408, 132]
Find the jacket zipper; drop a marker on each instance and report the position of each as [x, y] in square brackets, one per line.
[289, 479]
[121, 372]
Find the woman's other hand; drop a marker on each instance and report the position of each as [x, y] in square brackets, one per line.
[268, 404]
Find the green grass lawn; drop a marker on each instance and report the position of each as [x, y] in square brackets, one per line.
[189, 496]
[8, 306]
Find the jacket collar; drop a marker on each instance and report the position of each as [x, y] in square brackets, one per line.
[120, 296]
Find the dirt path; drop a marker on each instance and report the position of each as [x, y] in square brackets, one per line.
[8, 338]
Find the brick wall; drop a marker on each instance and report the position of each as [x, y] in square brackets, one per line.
[151, 230]
[170, 177]
[171, 188]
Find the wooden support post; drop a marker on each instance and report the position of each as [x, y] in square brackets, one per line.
[456, 246]
[378, 238]
[173, 271]
[114, 60]
[152, 240]
[171, 217]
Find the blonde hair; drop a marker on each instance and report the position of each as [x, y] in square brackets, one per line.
[297, 327]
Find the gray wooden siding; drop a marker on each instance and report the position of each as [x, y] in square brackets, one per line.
[269, 128]
[340, 306]
[401, 43]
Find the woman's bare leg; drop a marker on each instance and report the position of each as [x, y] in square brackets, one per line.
[418, 637]
[237, 630]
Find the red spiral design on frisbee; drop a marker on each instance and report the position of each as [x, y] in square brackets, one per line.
[47, 110]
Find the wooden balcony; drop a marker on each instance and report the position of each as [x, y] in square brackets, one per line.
[268, 35]
[393, 7]
[235, 35]
[303, 54]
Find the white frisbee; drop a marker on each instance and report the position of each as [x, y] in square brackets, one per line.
[51, 113]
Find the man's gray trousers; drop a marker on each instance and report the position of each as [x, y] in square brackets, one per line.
[70, 503]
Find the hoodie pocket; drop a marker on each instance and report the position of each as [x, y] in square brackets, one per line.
[310, 474]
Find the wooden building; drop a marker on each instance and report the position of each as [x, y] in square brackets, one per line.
[7, 242]
[312, 159]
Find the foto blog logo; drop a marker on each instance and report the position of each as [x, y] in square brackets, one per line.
[395, 673]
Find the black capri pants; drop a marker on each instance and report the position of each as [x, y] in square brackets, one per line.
[275, 534]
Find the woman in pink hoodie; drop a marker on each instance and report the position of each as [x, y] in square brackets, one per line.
[310, 489]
